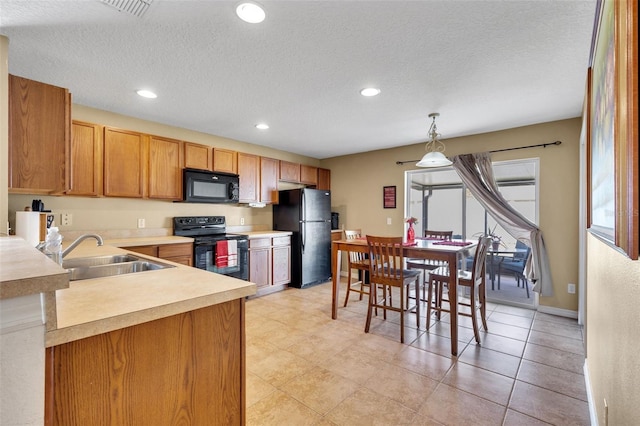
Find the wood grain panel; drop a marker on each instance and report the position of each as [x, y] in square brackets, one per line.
[225, 160]
[269, 180]
[248, 169]
[39, 136]
[165, 168]
[198, 156]
[308, 175]
[187, 369]
[124, 162]
[86, 159]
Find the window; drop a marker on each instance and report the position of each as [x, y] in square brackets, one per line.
[438, 198]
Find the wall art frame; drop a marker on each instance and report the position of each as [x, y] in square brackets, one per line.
[389, 197]
[612, 116]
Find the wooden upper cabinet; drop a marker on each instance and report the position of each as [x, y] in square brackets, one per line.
[198, 156]
[85, 162]
[249, 171]
[165, 171]
[324, 179]
[225, 160]
[39, 137]
[308, 175]
[124, 163]
[289, 172]
[269, 180]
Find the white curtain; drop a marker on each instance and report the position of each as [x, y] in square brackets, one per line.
[476, 173]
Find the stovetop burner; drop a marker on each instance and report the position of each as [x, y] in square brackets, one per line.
[210, 227]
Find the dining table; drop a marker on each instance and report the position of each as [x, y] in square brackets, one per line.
[450, 251]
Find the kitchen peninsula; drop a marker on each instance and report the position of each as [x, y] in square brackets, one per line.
[155, 347]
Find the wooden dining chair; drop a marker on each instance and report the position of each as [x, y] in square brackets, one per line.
[359, 262]
[474, 280]
[386, 272]
[426, 264]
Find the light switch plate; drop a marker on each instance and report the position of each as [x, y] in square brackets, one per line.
[141, 223]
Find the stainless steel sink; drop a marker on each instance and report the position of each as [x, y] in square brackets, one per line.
[128, 265]
[98, 260]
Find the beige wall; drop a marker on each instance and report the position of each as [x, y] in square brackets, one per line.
[613, 344]
[357, 181]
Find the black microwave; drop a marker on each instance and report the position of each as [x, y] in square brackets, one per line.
[202, 186]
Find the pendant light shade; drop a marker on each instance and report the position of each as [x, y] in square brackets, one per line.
[434, 157]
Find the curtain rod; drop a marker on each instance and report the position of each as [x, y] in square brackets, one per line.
[544, 145]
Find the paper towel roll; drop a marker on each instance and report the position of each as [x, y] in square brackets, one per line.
[28, 227]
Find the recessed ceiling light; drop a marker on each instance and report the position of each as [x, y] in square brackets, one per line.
[370, 91]
[147, 94]
[250, 12]
[262, 126]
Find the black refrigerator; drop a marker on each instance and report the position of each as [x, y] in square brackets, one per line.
[307, 213]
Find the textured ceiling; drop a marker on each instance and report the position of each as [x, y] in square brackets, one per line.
[483, 65]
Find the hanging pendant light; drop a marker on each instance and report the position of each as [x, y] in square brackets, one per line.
[434, 157]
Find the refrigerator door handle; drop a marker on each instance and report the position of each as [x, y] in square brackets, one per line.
[303, 234]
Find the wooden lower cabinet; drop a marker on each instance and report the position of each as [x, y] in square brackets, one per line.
[185, 369]
[270, 263]
[180, 253]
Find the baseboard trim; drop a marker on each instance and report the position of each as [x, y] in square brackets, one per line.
[592, 406]
[558, 311]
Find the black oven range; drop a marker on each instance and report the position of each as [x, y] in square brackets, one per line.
[215, 250]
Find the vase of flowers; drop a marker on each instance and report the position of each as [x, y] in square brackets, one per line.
[411, 233]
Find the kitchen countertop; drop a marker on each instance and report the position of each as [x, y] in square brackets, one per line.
[266, 234]
[24, 270]
[95, 306]
[99, 305]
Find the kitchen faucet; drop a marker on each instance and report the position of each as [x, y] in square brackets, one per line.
[80, 239]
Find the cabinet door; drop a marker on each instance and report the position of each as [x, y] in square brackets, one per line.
[188, 368]
[324, 179]
[260, 261]
[39, 136]
[289, 172]
[268, 180]
[180, 253]
[198, 156]
[85, 177]
[165, 173]
[248, 169]
[225, 160]
[124, 162]
[308, 175]
[281, 265]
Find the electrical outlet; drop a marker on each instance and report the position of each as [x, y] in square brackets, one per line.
[388, 221]
[66, 219]
[141, 223]
[571, 288]
[242, 221]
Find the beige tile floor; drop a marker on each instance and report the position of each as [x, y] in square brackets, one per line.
[303, 368]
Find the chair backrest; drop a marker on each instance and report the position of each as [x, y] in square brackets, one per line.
[522, 256]
[477, 271]
[385, 260]
[352, 234]
[438, 235]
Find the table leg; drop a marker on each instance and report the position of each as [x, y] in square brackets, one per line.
[453, 304]
[335, 274]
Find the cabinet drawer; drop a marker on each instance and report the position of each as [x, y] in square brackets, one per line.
[259, 242]
[175, 250]
[282, 241]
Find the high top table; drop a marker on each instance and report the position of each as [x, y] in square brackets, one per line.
[422, 249]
